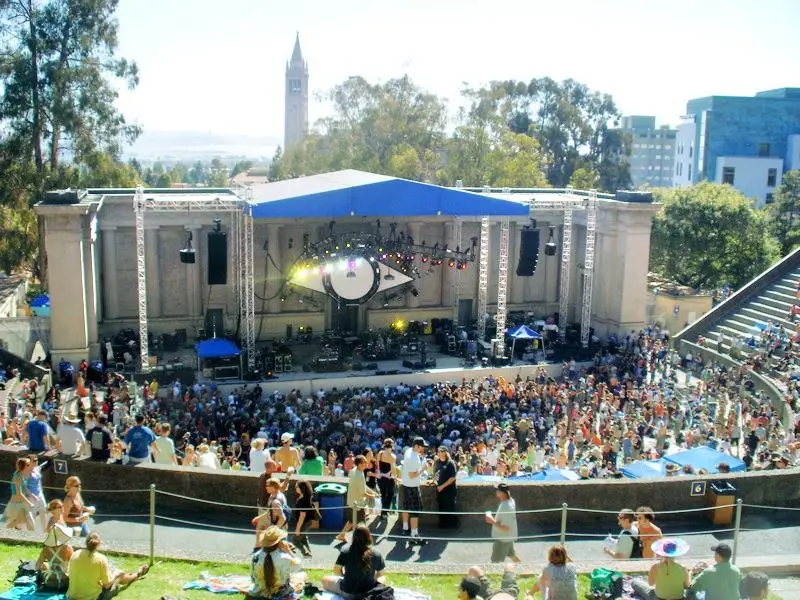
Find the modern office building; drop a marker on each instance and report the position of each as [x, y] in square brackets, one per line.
[652, 151]
[747, 142]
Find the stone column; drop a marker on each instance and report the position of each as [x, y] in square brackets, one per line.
[415, 231]
[110, 279]
[194, 285]
[153, 271]
[89, 239]
[273, 277]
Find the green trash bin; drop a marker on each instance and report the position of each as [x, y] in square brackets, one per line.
[332, 497]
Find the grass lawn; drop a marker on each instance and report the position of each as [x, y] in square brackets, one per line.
[168, 576]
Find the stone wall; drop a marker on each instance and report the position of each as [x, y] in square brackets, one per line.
[770, 488]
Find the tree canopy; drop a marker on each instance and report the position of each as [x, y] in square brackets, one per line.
[709, 234]
[785, 212]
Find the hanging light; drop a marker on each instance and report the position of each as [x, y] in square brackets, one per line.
[550, 246]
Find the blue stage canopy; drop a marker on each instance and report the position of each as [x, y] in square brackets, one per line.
[705, 458]
[360, 194]
[645, 469]
[216, 348]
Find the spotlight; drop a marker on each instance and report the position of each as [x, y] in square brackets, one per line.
[425, 258]
[451, 263]
[550, 246]
[283, 298]
[389, 277]
[187, 254]
[351, 274]
[414, 292]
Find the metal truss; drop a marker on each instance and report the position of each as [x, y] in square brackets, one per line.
[141, 279]
[483, 277]
[457, 233]
[566, 255]
[201, 203]
[502, 288]
[588, 267]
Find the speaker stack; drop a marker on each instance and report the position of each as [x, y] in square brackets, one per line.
[528, 252]
[217, 258]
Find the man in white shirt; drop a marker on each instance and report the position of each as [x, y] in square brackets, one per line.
[410, 497]
[504, 526]
[71, 440]
[164, 448]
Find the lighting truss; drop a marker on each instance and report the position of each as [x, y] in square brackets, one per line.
[566, 256]
[588, 264]
[201, 203]
[483, 277]
[502, 287]
[457, 232]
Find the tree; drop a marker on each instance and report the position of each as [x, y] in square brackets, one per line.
[277, 171]
[584, 178]
[570, 122]
[708, 235]
[103, 170]
[241, 166]
[785, 212]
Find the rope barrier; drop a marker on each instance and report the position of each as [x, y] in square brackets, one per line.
[671, 534]
[761, 506]
[663, 512]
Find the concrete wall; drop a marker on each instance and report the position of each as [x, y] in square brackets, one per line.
[690, 309]
[19, 335]
[769, 488]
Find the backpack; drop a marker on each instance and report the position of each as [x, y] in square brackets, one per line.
[606, 583]
[638, 549]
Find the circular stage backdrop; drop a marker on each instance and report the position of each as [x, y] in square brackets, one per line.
[353, 280]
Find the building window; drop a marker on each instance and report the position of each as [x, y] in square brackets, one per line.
[728, 175]
[691, 147]
[689, 174]
[770, 198]
[772, 176]
[763, 149]
[295, 86]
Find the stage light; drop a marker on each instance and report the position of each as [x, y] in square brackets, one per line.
[283, 299]
[389, 277]
[347, 245]
[451, 263]
[398, 325]
[414, 292]
[425, 258]
[550, 246]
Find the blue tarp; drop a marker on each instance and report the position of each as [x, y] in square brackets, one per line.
[40, 301]
[555, 475]
[360, 194]
[706, 458]
[523, 332]
[216, 348]
[645, 469]
[481, 479]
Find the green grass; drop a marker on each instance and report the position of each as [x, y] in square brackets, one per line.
[168, 576]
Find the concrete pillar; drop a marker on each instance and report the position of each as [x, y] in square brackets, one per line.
[273, 276]
[152, 270]
[110, 279]
[415, 231]
[64, 245]
[194, 285]
[89, 239]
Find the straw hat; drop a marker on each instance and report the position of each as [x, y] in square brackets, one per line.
[670, 547]
[271, 536]
[58, 536]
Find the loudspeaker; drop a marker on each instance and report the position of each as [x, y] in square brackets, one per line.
[187, 257]
[528, 252]
[217, 258]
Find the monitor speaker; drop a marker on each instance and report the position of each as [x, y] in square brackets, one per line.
[187, 257]
[528, 252]
[217, 258]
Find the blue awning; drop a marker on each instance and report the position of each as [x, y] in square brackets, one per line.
[645, 469]
[705, 458]
[216, 348]
[523, 332]
[361, 194]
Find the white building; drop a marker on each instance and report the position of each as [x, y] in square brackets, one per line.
[756, 177]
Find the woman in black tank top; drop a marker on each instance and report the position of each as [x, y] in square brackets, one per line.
[387, 462]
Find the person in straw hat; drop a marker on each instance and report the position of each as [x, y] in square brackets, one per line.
[273, 567]
[53, 562]
[667, 580]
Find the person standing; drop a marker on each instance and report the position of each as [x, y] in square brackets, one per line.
[287, 457]
[445, 480]
[504, 526]
[71, 441]
[357, 495]
[648, 531]
[100, 440]
[387, 462]
[627, 544]
[164, 448]
[411, 477]
[36, 433]
[138, 441]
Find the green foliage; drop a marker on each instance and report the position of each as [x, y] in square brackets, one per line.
[708, 235]
[102, 170]
[584, 178]
[785, 212]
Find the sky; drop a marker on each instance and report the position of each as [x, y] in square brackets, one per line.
[215, 66]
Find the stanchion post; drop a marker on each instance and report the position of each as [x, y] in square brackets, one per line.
[152, 523]
[355, 517]
[564, 508]
[736, 527]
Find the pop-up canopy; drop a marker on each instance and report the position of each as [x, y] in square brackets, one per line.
[216, 348]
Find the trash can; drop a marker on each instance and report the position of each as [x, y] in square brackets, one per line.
[332, 498]
[721, 493]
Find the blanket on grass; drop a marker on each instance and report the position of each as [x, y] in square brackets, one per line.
[399, 594]
[28, 592]
[226, 584]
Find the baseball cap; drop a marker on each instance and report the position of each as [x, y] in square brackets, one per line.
[418, 441]
[287, 437]
[724, 550]
[503, 487]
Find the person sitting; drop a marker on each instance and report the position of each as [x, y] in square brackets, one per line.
[358, 569]
[720, 581]
[52, 566]
[273, 568]
[559, 580]
[475, 586]
[667, 580]
[91, 576]
[754, 586]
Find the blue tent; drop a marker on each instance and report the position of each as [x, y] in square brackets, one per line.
[359, 194]
[481, 479]
[523, 332]
[555, 475]
[216, 348]
[40, 301]
[705, 458]
[645, 469]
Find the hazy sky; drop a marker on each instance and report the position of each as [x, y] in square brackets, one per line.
[218, 65]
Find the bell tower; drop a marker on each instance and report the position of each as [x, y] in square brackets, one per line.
[296, 103]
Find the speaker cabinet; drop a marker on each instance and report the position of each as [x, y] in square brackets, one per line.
[187, 257]
[217, 258]
[528, 252]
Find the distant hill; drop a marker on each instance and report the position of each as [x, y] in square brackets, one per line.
[190, 146]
